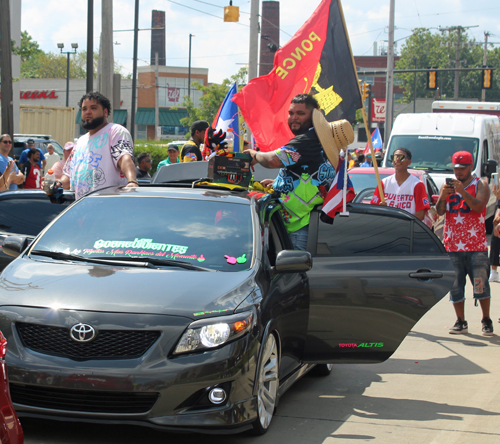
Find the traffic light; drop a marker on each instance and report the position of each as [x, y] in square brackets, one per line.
[432, 79]
[365, 90]
[486, 78]
[231, 13]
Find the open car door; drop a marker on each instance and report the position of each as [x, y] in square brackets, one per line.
[375, 273]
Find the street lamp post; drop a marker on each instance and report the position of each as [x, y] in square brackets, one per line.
[61, 46]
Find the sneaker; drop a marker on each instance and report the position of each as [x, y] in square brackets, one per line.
[494, 277]
[460, 328]
[487, 327]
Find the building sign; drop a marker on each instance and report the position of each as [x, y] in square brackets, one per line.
[45, 94]
[378, 110]
[173, 94]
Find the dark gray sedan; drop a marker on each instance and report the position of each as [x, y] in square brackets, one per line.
[186, 308]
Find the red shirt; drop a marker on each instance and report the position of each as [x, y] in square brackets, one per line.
[464, 229]
[34, 179]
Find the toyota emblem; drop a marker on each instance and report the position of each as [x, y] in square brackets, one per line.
[82, 332]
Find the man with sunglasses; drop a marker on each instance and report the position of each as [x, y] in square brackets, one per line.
[402, 189]
[464, 200]
[5, 147]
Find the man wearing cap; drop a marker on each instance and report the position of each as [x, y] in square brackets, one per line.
[173, 156]
[402, 189]
[464, 203]
[23, 158]
[59, 166]
[307, 164]
[191, 149]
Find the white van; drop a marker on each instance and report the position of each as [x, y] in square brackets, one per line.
[433, 138]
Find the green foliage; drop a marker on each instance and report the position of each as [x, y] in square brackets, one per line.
[157, 149]
[213, 96]
[439, 51]
[36, 63]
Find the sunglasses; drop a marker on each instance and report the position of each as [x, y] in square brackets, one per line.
[400, 157]
[7, 141]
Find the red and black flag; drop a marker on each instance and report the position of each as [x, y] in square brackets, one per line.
[316, 60]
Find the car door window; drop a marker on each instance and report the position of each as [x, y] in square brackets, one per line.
[28, 216]
[373, 235]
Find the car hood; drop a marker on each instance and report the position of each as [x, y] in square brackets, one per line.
[82, 286]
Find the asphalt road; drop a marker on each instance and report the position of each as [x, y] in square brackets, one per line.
[437, 388]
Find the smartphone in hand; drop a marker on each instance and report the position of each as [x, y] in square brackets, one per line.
[494, 178]
[449, 181]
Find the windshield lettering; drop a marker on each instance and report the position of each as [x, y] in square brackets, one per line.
[141, 243]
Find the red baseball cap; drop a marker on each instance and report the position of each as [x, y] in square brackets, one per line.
[461, 159]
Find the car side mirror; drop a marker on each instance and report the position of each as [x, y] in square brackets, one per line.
[293, 261]
[490, 167]
[435, 198]
[15, 245]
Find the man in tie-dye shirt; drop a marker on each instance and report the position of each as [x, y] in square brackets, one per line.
[104, 156]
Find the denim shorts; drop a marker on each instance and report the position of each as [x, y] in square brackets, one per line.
[476, 265]
[299, 238]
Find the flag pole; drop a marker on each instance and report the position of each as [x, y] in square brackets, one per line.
[365, 118]
[344, 187]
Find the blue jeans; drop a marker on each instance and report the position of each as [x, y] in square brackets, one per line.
[299, 238]
[476, 265]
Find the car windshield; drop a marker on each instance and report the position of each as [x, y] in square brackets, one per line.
[215, 235]
[363, 181]
[433, 153]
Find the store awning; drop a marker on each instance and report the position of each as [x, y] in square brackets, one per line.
[167, 117]
[119, 116]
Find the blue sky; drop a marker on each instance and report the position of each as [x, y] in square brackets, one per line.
[223, 47]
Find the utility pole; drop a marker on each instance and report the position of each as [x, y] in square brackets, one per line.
[90, 46]
[415, 88]
[457, 63]
[390, 77]
[485, 61]
[254, 39]
[189, 67]
[6, 64]
[134, 69]
[157, 98]
[107, 65]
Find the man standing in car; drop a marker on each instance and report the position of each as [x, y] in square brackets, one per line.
[402, 189]
[307, 171]
[464, 200]
[104, 156]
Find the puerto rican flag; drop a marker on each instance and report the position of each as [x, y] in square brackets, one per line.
[334, 201]
[376, 142]
[227, 117]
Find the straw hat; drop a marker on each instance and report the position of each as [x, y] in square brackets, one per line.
[333, 136]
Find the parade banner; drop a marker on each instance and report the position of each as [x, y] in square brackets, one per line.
[316, 60]
[227, 116]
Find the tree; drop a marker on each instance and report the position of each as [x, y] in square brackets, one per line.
[213, 96]
[438, 50]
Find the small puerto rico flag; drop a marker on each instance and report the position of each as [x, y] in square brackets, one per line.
[376, 142]
[334, 200]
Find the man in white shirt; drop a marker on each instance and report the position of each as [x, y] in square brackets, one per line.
[51, 157]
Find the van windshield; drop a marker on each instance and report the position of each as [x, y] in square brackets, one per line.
[433, 153]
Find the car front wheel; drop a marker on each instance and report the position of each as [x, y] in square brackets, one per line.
[268, 383]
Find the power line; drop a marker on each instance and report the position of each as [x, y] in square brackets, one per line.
[203, 12]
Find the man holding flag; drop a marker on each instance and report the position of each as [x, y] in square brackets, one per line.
[307, 163]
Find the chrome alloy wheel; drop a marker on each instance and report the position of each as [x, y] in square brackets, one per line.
[268, 383]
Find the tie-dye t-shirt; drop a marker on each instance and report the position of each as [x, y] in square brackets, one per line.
[93, 164]
[305, 179]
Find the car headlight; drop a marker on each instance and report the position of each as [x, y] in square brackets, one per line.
[213, 332]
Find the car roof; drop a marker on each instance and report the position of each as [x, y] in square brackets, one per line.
[385, 170]
[178, 191]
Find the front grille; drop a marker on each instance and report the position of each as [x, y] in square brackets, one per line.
[109, 344]
[91, 401]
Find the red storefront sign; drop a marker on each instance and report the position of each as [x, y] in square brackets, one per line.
[173, 94]
[378, 110]
[45, 94]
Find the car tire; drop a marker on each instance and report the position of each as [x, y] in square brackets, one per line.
[267, 386]
[322, 369]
